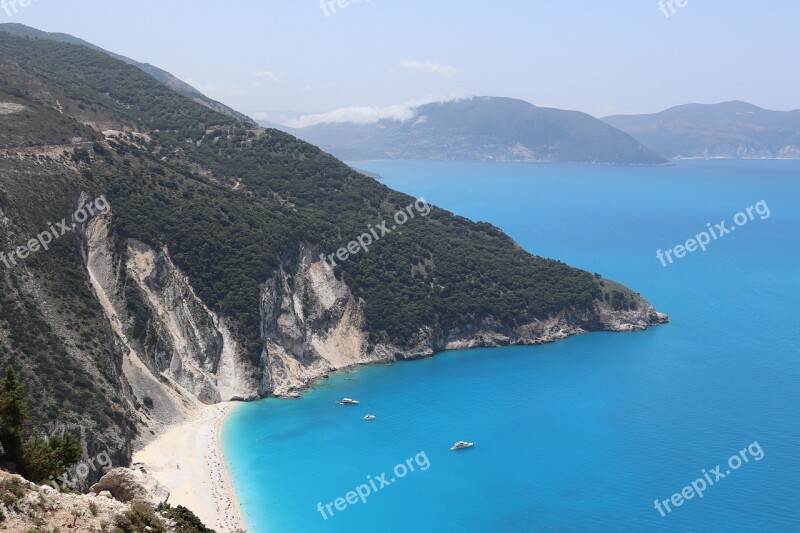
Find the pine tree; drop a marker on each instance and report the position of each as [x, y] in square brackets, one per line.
[37, 458]
[12, 415]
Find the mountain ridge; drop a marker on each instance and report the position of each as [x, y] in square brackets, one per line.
[729, 130]
[482, 128]
[168, 79]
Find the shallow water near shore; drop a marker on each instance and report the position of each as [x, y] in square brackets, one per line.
[582, 434]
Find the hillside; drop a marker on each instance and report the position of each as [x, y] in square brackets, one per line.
[730, 130]
[180, 86]
[200, 281]
[482, 129]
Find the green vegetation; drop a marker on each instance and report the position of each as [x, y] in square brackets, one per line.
[177, 189]
[230, 242]
[232, 205]
[61, 352]
[12, 416]
[483, 129]
[11, 492]
[42, 460]
[37, 459]
[137, 519]
[617, 296]
[87, 85]
[185, 520]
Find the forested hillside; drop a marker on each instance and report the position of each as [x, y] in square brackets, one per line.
[231, 204]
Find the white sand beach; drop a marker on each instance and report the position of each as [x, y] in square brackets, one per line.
[187, 459]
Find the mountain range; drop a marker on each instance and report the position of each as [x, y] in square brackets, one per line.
[730, 130]
[178, 85]
[482, 129]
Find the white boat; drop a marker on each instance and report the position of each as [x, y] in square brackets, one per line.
[348, 401]
[369, 417]
[460, 445]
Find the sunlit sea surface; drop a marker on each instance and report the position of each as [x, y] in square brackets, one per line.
[583, 434]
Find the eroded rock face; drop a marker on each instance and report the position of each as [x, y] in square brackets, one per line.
[311, 325]
[194, 346]
[41, 508]
[127, 485]
[182, 354]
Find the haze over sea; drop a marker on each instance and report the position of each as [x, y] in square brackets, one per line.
[586, 433]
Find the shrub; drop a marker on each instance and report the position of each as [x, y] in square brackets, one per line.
[185, 520]
[139, 518]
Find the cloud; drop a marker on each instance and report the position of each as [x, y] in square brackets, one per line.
[431, 68]
[310, 88]
[267, 75]
[366, 114]
[276, 116]
[356, 115]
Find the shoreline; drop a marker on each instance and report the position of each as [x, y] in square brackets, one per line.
[188, 459]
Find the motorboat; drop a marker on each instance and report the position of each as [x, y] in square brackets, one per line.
[348, 401]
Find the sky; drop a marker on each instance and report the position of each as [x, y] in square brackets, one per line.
[600, 57]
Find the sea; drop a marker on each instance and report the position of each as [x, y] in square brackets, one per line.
[593, 433]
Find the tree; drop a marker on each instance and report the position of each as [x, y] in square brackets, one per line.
[12, 407]
[67, 451]
[39, 460]
[12, 415]
[42, 460]
[35, 457]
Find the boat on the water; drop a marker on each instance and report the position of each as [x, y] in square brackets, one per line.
[348, 401]
[369, 417]
[460, 445]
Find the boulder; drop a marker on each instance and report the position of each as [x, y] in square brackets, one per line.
[128, 485]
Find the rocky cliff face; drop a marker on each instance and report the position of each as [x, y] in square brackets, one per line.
[192, 344]
[187, 355]
[311, 325]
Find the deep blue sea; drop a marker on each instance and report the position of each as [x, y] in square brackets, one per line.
[583, 434]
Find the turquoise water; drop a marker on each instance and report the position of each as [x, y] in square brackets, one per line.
[584, 434]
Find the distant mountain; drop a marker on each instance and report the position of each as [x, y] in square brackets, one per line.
[731, 130]
[179, 86]
[482, 129]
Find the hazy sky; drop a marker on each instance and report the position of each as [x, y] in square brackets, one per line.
[601, 57]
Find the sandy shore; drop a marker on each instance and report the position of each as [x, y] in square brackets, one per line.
[187, 459]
